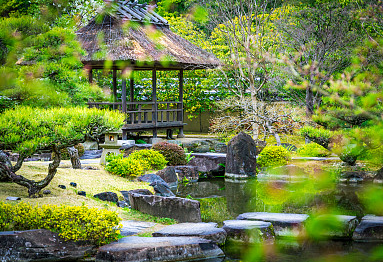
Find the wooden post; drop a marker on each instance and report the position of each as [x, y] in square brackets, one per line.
[181, 105]
[90, 76]
[154, 100]
[131, 92]
[115, 87]
[123, 96]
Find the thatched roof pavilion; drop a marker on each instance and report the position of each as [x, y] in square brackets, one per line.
[133, 37]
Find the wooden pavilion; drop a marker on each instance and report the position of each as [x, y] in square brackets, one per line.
[127, 45]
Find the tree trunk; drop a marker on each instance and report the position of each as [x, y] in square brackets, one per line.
[34, 187]
[309, 102]
[4, 159]
[74, 158]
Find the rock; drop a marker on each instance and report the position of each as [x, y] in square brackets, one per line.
[107, 196]
[169, 175]
[369, 229]
[180, 209]
[284, 224]
[205, 145]
[62, 186]
[13, 198]
[249, 231]
[186, 172]
[91, 154]
[128, 149]
[241, 158]
[150, 178]
[162, 189]
[378, 178]
[131, 227]
[73, 184]
[47, 192]
[81, 193]
[346, 227]
[209, 231]
[125, 194]
[6, 160]
[122, 204]
[39, 245]
[140, 249]
[209, 164]
[90, 145]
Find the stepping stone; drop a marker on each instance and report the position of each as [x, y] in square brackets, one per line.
[13, 198]
[209, 231]
[284, 224]
[131, 227]
[346, 229]
[369, 229]
[141, 249]
[249, 231]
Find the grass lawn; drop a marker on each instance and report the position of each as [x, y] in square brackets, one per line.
[90, 181]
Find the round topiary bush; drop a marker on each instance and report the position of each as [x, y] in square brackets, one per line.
[149, 158]
[313, 150]
[273, 156]
[124, 166]
[174, 154]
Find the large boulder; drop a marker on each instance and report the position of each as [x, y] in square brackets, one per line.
[241, 158]
[4, 159]
[162, 189]
[209, 231]
[369, 229]
[107, 196]
[378, 178]
[143, 249]
[39, 245]
[140, 191]
[168, 174]
[344, 230]
[189, 173]
[209, 164]
[150, 178]
[249, 231]
[180, 209]
[284, 224]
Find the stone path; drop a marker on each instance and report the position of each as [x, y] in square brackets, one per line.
[131, 227]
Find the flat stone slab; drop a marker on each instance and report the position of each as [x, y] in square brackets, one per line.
[249, 231]
[369, 229]
[209, 231]
[346, 227]
[158, 249]
[131, 227]
[13, 198]
[285, 224]
[210, 164]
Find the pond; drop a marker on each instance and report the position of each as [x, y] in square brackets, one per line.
[224, 199]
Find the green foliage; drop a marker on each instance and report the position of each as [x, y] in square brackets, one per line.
[317, 135]
[146, 217]
[214, 210]
[174, 154]
[78, 223]
[313, 150]
[273, 156]
[150, 159]
[27, 130]
[124, 166]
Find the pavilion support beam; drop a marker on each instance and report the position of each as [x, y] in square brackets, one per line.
[114, 87]
[123, 96]
[131, 91]
[180, 114]
[154, 100]
[90, 76]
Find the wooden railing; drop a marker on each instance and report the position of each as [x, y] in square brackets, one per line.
[145, 112]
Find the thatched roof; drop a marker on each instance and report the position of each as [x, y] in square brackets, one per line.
[110, 39]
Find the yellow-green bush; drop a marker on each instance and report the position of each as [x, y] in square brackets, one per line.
[313, 150]
[124, 166]
[150, 159]
[273, 156]
[78, 223]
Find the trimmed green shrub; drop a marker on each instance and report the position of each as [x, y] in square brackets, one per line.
[317, 135]
[273, 156]
[124, 167]
[150, 159]
[78, 223]
[313, 150]
[174, 154]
